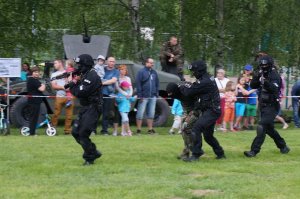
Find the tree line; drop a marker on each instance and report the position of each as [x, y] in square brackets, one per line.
[226, 33]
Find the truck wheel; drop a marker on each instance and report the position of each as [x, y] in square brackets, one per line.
[162, 112]
[20, 112]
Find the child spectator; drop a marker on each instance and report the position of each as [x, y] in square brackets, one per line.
[250, 112]
[230, 98]
[177, 111]
[240, 105]
[124, 105]
[69, 68]
[123, 77]
[34, 88]
[99, 67]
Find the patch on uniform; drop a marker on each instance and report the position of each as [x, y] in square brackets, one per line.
[276, 84]
[81, 87]
[198, 81]
[187, 85]
[87, 81]
[212, 78]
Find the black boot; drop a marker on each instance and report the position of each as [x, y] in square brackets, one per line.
[285, 150]
[221, 157]
[191, 159]
[249, 154]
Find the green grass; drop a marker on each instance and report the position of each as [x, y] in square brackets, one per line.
[146, 167]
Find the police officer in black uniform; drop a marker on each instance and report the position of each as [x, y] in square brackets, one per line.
[268, 82]
[190, 116]
[206, 92]
[87, 89]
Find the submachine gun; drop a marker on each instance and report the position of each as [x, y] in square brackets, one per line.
[76, 72]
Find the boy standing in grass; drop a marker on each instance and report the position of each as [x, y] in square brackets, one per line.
[34, 88]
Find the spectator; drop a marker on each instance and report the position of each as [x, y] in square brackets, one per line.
[61, 98]
[69, 68]
[99, 67]
[251, 108]
[124, 104]
[110, 78]
[221, 81]
[230, 98]
[295, 103]
[25, 71]
[171, 57]
[240, 105]
[278, 116]
[177, 111]
[147, 85]
[123, 77]
[34, 88]
[250, 112]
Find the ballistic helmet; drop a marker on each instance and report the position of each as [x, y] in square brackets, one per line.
[198, 68]
[85, 60]
[266, 61]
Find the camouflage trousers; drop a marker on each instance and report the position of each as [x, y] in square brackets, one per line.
[186, 129]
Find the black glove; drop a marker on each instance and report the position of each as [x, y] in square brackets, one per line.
[69, 85]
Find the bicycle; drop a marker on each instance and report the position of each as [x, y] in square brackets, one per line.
[4, 130]
[50, 130]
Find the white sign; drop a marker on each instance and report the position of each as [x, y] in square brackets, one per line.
[10, 67]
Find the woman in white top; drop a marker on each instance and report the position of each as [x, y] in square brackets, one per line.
[221, 81]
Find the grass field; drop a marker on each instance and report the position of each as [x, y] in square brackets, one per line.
[146, 167]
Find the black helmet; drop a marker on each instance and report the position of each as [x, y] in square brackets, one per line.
[85, 62]
[173, 90]
[85, 59]
[266, 61]
[198, 68]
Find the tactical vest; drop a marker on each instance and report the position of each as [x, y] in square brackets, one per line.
[209, 100]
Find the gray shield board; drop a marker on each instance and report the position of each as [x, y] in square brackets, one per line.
[74, 46]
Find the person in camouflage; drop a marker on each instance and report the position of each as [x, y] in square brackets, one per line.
[171, 57]
[189, 118]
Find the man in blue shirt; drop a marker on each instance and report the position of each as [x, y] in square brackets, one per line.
[147, 85]
[295, 103]
[110, 78]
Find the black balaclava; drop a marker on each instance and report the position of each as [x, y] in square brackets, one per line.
[198, 68]
[85, 62]
[266, 64]
[173, 90]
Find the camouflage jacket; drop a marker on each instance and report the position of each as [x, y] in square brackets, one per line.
[168, 49]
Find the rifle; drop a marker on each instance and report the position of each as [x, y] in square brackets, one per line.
[67, 74]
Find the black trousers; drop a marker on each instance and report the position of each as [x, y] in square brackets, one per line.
[266, 126]
[85, 123]
[34, 117]
[205, 125]
[108, 113]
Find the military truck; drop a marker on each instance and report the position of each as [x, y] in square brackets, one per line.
[74, 45]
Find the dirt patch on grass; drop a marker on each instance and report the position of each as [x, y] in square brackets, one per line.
[204, 192]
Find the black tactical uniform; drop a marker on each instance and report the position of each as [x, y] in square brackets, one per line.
[206, 92]
[189, 118]
[88, 91]
[268, 83]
